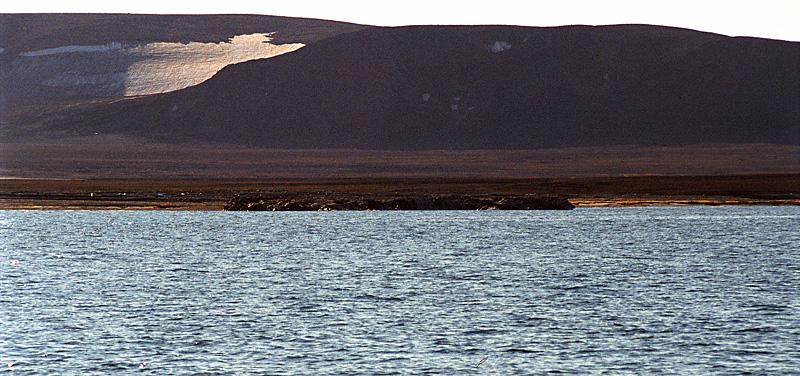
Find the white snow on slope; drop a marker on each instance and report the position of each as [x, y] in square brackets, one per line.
[2, 50]
[71, 49]
[174, 66]
[75, 78]
[136, 69]
[499, 46]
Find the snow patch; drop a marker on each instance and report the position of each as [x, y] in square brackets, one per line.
[77, 78]
[454, 103]
[2, 50]
[426, 97]
[172, 66]
[72, 49]
[499, 46]
[138, 69]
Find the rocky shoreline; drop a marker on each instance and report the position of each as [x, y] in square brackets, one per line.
[396, 193]
[339, 202]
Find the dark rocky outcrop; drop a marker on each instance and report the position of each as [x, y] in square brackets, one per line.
[336, 202]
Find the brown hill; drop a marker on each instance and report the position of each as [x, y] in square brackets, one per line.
[484, 87]
[52, 61]
[37, 31]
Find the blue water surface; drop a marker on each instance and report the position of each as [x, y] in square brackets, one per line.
[636, 290]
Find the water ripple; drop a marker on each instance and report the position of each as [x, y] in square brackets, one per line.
[641, 290]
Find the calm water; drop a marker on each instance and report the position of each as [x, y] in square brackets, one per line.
[641, 290]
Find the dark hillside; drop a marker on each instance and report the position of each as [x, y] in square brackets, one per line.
[486, 87]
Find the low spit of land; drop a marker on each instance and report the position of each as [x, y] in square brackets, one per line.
[213, 194]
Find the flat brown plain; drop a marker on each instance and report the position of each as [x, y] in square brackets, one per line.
[122, 157]
[108, 172]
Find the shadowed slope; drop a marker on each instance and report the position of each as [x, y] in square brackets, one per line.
[486, 87]
[30, 32]
[52, 60]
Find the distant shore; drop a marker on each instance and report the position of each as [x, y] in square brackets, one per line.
[214, 194]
